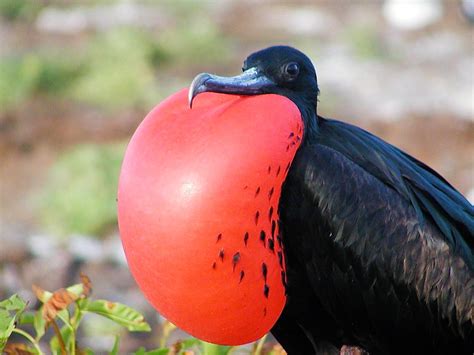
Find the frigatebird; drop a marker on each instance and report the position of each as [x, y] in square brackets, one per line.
[378, 246]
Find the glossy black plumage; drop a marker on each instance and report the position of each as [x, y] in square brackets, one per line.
[380, 268]
[379, 247]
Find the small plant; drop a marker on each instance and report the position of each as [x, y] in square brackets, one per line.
[63, 311]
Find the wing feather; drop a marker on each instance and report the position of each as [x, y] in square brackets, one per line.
[385, 242]
[429, 193]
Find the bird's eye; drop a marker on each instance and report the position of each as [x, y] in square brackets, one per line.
[292, 70]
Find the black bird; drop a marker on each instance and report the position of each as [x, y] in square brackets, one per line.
[379, 246]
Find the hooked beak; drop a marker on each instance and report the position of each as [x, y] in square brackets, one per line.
[250, 82]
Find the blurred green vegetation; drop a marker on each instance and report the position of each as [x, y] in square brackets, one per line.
[35, 73]
[19, 9]
[16, 80]
[122, 65]
[123, 68]
[81, 190]
[365, 42]
[199, 38]
[118, 71]
[119, 68]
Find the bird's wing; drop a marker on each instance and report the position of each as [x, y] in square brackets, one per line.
[429, 193]
[383, 237]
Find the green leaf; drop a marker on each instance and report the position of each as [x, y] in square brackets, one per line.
[14, 303]
[39, 323]
[214, 349]
[54, 343]
[140, 351]
[27, 318]
[114, 350]
[10, 310]
[120, 314]
[64, 316]
[82, 303]
[77, 289]
[7, 324]
[160, 351]
[190, 342]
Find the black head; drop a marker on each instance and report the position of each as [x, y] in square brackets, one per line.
[291, 71]
[280, 70]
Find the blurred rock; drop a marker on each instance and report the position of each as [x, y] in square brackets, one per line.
[434, 48]
[43, 246]
[73, 20]
[86, 248]
[295, 20]
[381, 95]
[412, 15]
[10, 280]
[113, 250]
[12, 243]
[99, 333]
[50, 272]
[467, 8]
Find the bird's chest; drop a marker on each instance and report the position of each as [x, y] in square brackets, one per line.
[332, 274]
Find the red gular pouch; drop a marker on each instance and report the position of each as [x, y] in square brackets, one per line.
[198, 211]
